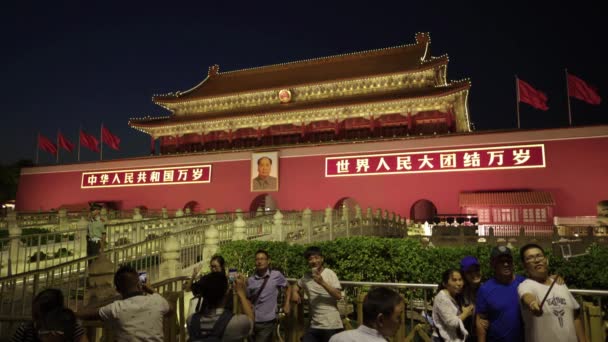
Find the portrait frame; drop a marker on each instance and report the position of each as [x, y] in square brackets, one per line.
[260, 182]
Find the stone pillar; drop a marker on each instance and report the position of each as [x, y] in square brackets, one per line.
[188, 211]
[211, 212]
[170, 266]
[358, 214]
[81, 237]
[346, 219]
[63, 219]
[307, 224]
[277, 227]
[212, 240]
[240, 227]
[259, 212]
[137, 214]
[14, 233]
[164, 213]
[329, 221]
[100, 282]
[179, 213]
[104, 214]
[359, 218]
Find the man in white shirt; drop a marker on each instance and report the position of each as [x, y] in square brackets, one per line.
[138, 316]
[382, 309]
[559, 317]
[323, 289]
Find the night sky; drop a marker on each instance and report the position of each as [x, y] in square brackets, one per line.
[67, 64]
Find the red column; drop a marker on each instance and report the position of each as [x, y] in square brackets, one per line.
[152, 145]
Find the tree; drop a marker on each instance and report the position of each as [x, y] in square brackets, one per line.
[9, 179]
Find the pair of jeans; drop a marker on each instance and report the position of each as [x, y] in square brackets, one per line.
[263, 331]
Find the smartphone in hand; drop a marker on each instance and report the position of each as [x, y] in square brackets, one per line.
[143, 277]
[232, 274]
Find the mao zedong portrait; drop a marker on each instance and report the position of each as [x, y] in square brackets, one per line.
[264, 181]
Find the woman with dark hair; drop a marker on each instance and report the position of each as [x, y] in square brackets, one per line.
[213, 318]
[217, 264]
[44, 303]
[448, 312]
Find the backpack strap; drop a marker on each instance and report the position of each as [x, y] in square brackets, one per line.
[255, 298]
[220, 325]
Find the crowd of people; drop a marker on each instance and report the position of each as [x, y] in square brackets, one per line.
[506, 307]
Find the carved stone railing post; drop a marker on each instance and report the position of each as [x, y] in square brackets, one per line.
[277, 227]
[81, 236]
[329, 221]
[63, 219]
[240, 227]
[377, 222]
[164, 213]
[212, 240]
[100, 280]
[170, 266]
[137, 214]
[179, 213]
[307, 224]
[359, 218]
[211, 214]
[14, 233]
[188, 211]
[103, 213]
[259, 212]
[346, 218]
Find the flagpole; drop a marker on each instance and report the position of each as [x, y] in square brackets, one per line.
[101, 142]
[568, 97]
[37, 147]
[57, 157]
[517, 100]
[79, 132]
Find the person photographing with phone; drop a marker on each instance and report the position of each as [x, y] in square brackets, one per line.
[138, 315]
[263, 289]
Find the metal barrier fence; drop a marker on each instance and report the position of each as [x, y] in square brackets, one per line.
[418, 298]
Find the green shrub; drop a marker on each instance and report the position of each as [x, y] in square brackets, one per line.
[38, 256]
[404, 260]
[62, 253]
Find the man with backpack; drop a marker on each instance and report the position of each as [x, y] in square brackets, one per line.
[214, 322]
[262, 290]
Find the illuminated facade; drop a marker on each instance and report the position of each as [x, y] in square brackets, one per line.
[382, 129]
[396, 91]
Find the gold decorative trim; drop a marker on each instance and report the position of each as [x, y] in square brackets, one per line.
[456, 102]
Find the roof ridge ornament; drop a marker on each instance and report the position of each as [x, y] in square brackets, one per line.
[214, 71]
[423, 37]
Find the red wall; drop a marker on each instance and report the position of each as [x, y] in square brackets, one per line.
[576, 172]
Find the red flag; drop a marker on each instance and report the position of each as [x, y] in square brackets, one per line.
[64, 142]
[581, 90]
[531, 96]
[46, 145]
[89, 141]
[110, 139]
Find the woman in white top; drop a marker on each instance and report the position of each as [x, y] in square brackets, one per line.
[448, 314]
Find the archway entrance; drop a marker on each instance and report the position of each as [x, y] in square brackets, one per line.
[423, 211]
[264, 201]
[346, 202]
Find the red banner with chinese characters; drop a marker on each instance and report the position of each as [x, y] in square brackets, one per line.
[141, 177]
[469, 159]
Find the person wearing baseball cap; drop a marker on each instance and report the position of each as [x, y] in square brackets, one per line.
[498, 301]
